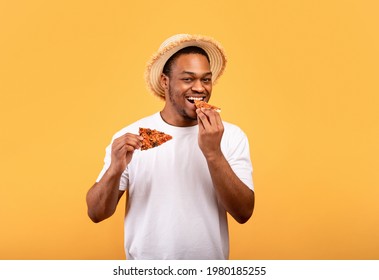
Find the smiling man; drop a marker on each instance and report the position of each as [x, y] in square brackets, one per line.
[178, 194]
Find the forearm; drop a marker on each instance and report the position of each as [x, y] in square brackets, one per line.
[232, 193]
[103, 197]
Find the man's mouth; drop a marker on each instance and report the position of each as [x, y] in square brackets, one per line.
[192, 99]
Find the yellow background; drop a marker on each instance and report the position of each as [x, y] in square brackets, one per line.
[302, 82]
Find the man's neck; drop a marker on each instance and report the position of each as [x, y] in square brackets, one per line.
[176, 120]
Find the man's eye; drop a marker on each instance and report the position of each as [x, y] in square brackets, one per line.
[187, 79]
[207, 80]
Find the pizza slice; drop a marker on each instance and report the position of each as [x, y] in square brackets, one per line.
[152, 138]
[203, 104]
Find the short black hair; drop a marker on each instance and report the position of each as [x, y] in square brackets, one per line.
[186, 50]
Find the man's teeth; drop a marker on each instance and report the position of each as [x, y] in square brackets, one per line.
[192, 99]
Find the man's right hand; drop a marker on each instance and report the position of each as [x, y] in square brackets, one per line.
[123, 148]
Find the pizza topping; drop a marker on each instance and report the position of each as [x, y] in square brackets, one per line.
[203, 104]
[152, 138]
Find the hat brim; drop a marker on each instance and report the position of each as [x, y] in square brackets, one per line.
[155, 65]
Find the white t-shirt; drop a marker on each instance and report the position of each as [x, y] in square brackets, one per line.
[172, 210]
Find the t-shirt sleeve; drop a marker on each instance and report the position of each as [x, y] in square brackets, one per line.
[238, 156]
[107, 162]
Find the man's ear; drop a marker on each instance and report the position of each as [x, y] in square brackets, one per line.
[164, 80]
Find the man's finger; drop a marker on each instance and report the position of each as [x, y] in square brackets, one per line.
[203, 119]
[213, 117]
[128, 139]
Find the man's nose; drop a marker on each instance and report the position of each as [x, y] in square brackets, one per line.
[198, 86]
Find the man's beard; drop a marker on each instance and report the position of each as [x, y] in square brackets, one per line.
[178, 108]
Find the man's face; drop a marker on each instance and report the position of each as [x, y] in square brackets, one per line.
[190, 78]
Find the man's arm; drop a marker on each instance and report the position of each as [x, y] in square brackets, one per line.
[103, 197]
[237, 199]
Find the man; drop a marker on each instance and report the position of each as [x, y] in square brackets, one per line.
[178, 193]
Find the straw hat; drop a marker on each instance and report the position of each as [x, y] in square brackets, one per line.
[171, 46]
